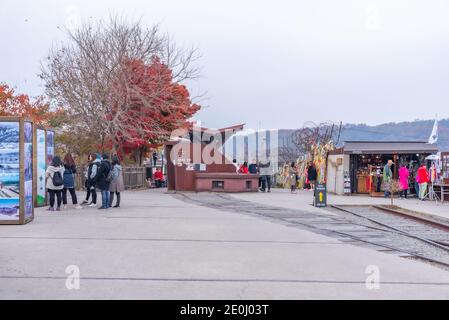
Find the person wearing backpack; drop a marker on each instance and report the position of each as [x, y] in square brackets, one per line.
[117, 185]
[103, 181]
[69, 181]
[55, 183]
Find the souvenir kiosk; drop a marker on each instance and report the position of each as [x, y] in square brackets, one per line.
[17, 145]
[357, 167]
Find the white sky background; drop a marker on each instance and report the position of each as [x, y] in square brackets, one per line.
[280, 63]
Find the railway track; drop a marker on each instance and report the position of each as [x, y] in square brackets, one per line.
[368, 226]
[434, 224]
[425, 230]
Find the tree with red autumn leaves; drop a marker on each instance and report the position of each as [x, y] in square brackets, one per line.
[20, 105]
[148, 106]
[121, 85]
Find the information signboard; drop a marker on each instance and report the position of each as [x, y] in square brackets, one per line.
[320, 196]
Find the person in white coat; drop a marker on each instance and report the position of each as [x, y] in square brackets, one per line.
[55, 183]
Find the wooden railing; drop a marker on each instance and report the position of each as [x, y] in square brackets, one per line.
[133, 177]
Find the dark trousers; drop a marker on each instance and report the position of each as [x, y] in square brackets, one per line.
[266, 183]
[72, 194]
[404, 194]
[52, 194]
[94, 195]
[159, 183]
[111, 199]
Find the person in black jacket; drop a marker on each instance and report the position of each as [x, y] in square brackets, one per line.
[312, 175]
[69, 181]
[94, 161]
[102, 182]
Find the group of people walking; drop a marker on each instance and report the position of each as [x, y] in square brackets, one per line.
[102, 174]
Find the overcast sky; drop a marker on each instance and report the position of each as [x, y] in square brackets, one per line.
[277, 63]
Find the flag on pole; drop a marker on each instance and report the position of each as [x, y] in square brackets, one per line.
[434, 135]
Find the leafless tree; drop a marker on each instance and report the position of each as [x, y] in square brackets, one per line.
[82, 75]
[301, 141]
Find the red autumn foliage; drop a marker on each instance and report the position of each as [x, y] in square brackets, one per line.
[20, 105]
[148, 106]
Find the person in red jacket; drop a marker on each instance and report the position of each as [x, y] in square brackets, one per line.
[422, 177]
[159, 178]
[244, 169]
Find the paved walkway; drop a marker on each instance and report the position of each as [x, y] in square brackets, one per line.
[158, 247]
[304, 199]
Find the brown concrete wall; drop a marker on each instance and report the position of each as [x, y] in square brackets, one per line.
[182, 180]
[232, 183]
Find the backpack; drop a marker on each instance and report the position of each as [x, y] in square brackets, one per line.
[110, 176]
[57, 179]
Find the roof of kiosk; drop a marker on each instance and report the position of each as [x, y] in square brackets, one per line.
[388, 147]
[226, 133]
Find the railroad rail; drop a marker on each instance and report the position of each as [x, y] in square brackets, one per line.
[413, 216]
[408, 238]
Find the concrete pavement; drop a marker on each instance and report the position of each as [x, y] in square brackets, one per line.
[304, 198]
[158, 247]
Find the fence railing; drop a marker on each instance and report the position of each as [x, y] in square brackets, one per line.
[133, 177]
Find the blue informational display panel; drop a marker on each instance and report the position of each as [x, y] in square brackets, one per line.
[28, 169]
[16, 170]
[41, 167]
[10, 171]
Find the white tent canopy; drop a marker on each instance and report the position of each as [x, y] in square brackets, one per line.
[433, 157]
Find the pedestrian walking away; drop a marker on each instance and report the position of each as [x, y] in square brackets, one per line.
[55, 183]
[117, 185]
[103, 181]
[69, 181]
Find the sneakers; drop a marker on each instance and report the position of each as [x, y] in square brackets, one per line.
[58, 209]
[51, 209]
[92, 205]
[64, 207]
[85, 202]
[78, 207]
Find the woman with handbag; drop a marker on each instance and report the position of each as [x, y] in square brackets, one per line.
[69, 181]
